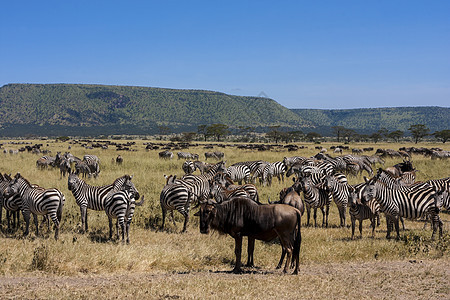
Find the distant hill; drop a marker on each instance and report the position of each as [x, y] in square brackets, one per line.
[76, 109]
[117, 109]
[372, 119]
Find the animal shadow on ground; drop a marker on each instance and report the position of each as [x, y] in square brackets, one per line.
[98, 237]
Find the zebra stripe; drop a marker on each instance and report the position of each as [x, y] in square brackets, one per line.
[93, 197]
[315, 198]
[37, 201]
[221, 194]
[239, 173]
[121, 206]
[188, 167]
[187, 155]
[340, 192]
[175, 197]
[93, 163]
[412, 203]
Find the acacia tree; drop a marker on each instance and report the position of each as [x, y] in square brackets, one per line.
[312, 136]
[217, 130]
[375, 137]
[202, 130]
[418, 131]
[274, 134]
[338, 131]
[395, 135]
[443, 135]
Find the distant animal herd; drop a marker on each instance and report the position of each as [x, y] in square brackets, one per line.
[227, 197]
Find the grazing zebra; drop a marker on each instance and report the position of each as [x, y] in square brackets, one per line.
[340, 192]
[221, 194]
[175, 197]
[45, 161]
[238, 173]
[258, 172]
[187, 155]
[121, 206]
[166, 154]
[216, 155]
[411, 203]
[225, 180]
[37, 201]
[93, 163]
[81, 167]
[202, 166]
[93, 197]
[188, 167]
[268, 170]
[315, 198]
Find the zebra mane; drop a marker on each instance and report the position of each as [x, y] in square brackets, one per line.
[19, 176]
[122, 178]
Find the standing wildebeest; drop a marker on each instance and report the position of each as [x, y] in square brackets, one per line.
[241, 216]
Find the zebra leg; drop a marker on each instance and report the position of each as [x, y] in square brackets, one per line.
[186, 220]
[403, 223]
[26, 217]
[173, 218]
[163, 217]
[327, 211]
[372, 223]
[84, 225]
[55, 220]
[315, 217]
[353, 220]
[127, 228]
[110, 227]
[388, 227]
[308, 213]
[35, 219]
[8, 218]
[397, 227]
[360, 228]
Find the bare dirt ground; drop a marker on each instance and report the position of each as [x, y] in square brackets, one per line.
[413, 279]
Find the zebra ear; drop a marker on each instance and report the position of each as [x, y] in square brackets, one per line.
[131, 177]
[366, 180]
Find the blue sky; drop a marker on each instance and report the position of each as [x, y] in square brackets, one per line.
[303, 54]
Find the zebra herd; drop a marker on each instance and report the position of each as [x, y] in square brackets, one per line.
[118, 200]
[322, 179]
[88, 166]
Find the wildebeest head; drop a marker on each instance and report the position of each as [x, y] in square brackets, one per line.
[206, 213]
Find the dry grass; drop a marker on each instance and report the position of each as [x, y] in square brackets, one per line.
[171, 265]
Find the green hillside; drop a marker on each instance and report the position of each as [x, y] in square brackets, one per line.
[140, 108]
[76, 109]
[372, 119]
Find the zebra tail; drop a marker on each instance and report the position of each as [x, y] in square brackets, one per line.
[60, 208]
[188, 202]
[140, 203]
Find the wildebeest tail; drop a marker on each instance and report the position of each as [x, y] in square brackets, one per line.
[297, 241]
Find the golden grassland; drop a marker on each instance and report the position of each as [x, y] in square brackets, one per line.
[172, 265]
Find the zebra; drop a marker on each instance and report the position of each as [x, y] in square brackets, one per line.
[64, 167]
[202, 166]
[37, 201]
[359, 211]
[238, 173]
[93, 163]
[410, 203]
[225, 180]
[166, 154]
[340, 192]
[81, 167]
[188, 167]
[45, 161]
[258, 171]
[175, 196]
[273, 169]
[187, 155]
[221, 194]
[216, 155]
[11, 203]
[290, 161]
[315, 198]
[121, 206]
[93, 197]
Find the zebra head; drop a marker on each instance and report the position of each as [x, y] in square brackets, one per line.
[73, 181]
[128, 186]
[14, 186]
[368, 191]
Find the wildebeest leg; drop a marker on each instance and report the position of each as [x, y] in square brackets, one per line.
[308, 214]
[250, 249]
[287, 247]
[237, 253]
[283, 254]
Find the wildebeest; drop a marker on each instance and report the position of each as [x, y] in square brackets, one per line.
[241, 216]
[291, 196]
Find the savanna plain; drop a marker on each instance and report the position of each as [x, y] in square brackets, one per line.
[171, 265]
